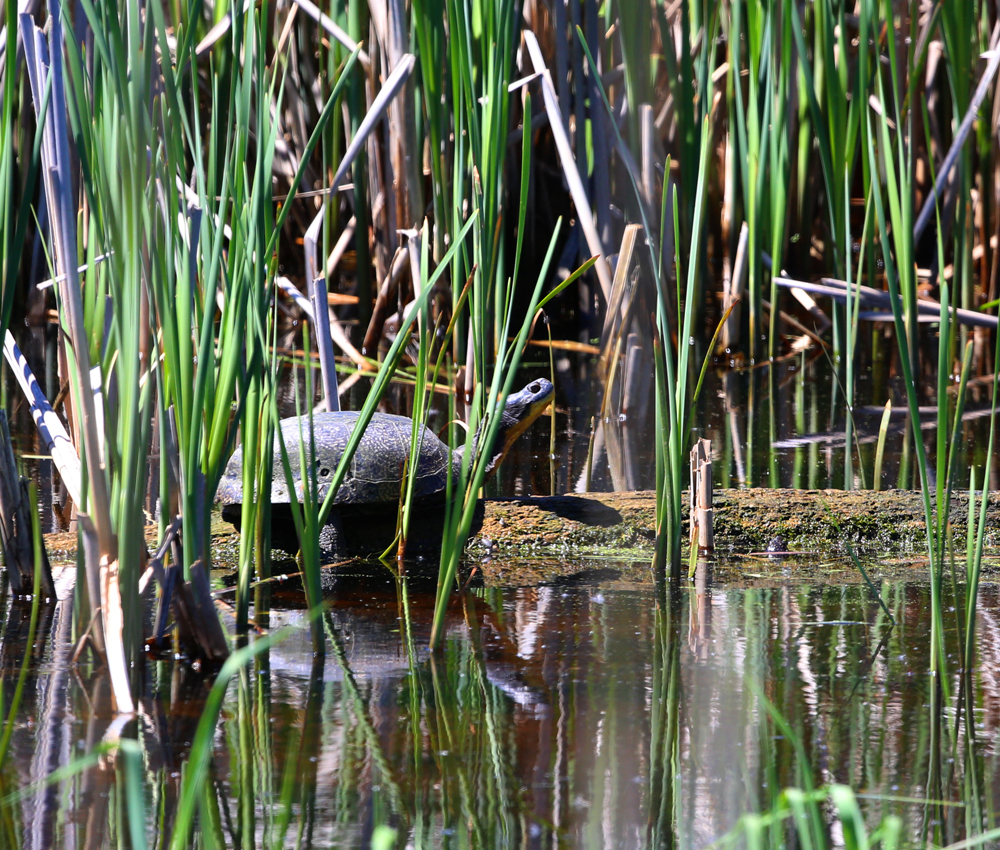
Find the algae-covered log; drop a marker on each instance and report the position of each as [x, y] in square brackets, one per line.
[622, 524]
[605, 523]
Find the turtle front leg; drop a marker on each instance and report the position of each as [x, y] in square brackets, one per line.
[332, 543]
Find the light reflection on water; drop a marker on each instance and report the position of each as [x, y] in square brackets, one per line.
[548, 719]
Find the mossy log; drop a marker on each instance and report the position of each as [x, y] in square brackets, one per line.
[744, 520]
[622, 525]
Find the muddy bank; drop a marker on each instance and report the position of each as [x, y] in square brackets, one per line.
[623, 524]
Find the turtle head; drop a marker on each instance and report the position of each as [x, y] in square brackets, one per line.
[522, 408]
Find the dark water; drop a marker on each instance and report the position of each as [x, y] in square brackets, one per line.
[584, 713]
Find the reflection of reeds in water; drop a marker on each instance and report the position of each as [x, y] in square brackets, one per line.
[593, 710]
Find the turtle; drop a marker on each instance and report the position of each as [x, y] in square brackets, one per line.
[363, 518]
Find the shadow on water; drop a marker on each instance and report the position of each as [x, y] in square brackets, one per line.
[591, 711]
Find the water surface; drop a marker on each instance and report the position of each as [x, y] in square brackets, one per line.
[588, 712]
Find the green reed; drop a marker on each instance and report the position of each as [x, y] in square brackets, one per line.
[640, 73]
[421, 396]
[425, 381]
[807, 812]
[385, 374]
[132, 782]
[689, 75]
[963, 40]
[852, 306]
[761, 138]
[798, 812]
[257, 434]
[665, 722]
[311, 515]
[195, 777]
[357, 29]
[896, 158]
[478, 65]
[673, 407]
[428, 20]
[112, 404]
[891, 150]
[305, 514]
[462, 496]
[203, 250]
[673, 404]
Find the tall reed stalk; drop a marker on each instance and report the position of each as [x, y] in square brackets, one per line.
[177, 315]
[462, 495]
[482, 48]
[894, 157]
[673, 403]
[762, 143]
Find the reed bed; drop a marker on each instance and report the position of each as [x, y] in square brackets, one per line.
[169, 166]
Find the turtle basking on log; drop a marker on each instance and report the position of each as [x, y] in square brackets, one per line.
[363, 518]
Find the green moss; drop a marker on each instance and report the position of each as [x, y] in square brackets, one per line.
[620, 527]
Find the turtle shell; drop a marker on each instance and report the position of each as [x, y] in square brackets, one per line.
[376, 470]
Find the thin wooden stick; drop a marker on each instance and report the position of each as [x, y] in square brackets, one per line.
[568, 162]
[837, 289]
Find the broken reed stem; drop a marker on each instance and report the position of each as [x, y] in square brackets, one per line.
[702, 534]
[50, 428]
[733, 294]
